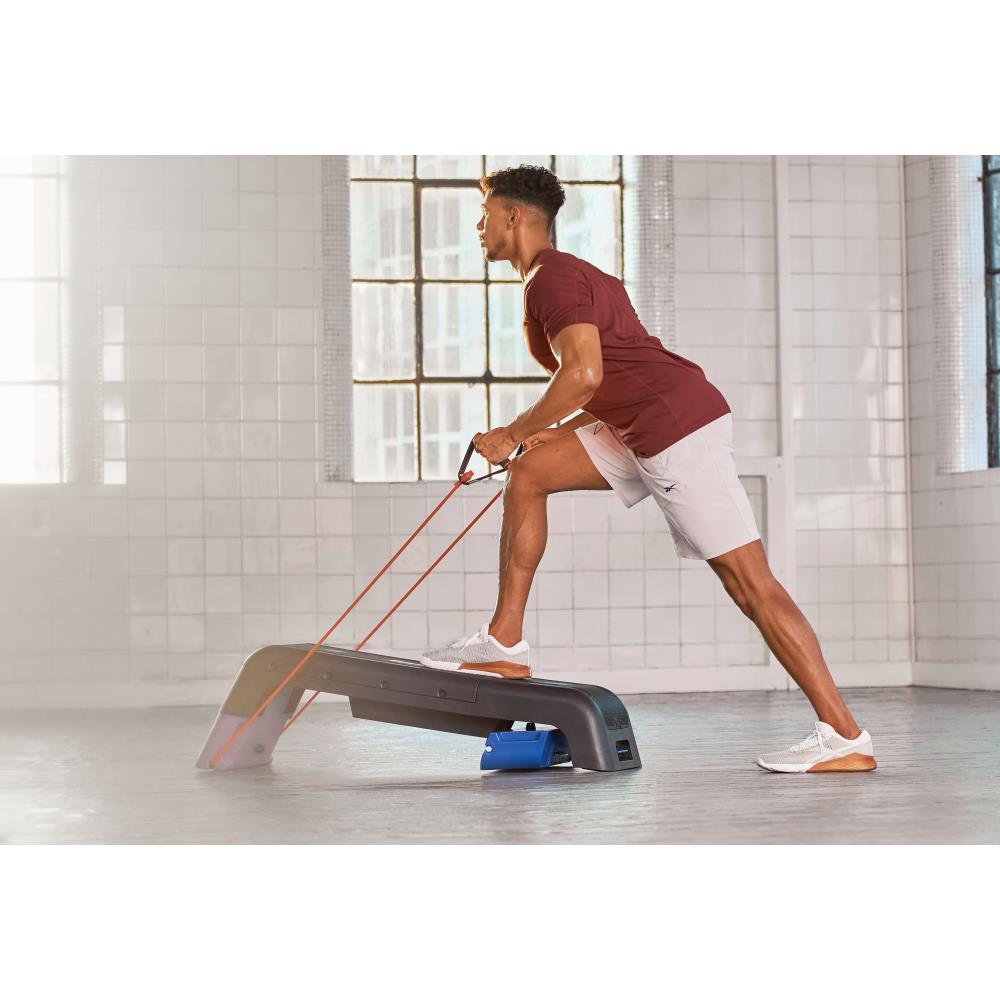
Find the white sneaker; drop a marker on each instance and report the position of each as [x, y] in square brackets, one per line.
[824, 749]
[481, 652]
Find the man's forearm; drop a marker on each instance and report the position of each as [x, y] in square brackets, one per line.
[563, 395]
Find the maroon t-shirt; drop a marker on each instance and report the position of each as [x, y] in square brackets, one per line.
[650, 395]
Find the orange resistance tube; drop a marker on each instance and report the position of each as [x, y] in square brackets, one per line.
[236, 736]
[423, 576]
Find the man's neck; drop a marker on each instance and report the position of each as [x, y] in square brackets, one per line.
[522, 264]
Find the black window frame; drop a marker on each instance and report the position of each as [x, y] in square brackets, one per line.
[420, 184]
[991, 226]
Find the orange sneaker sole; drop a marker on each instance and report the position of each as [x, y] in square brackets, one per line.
[852, 762]
[512, 671]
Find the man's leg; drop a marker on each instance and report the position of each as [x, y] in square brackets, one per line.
[748, 580]
[553, 467]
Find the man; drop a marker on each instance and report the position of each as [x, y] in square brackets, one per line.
[652, 424]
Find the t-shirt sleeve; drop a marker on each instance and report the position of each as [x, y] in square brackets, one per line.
[559, 297]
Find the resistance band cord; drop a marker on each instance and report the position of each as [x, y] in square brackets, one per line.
[464, 478]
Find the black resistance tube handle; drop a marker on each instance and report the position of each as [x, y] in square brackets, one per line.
[468, 456]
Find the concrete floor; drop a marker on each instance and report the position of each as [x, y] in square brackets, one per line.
[128, 776]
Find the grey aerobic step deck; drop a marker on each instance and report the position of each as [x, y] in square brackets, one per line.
[404, 692]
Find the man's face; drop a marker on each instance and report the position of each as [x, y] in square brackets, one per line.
[494, 234]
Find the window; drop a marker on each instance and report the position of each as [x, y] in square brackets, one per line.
[438, 341]
[991, 219]
[30, 292]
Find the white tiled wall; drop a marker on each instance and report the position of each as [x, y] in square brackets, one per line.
[956, 516]
[223, 540]
[848, 400]
[724, 252]
[847, 382]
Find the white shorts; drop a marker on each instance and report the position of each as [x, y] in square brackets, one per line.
[694, 482]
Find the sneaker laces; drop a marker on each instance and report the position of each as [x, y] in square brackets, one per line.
[479, 636]
[813, 741]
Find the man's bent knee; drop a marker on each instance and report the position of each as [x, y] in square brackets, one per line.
[557, 466]
[522, 480]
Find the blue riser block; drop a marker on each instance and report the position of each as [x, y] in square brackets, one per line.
[524, 749]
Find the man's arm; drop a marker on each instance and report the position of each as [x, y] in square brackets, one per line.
[577, 378]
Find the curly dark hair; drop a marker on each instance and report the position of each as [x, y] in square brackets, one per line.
[535, 186]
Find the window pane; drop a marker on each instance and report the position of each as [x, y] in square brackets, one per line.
[449, 241]
[29, 210]
[381, 230]
[993, 162]
[587, 168]
[381, 166]
[451, 167]
[450, 415]
[384, 421]
[32, 454]
[500, 270]
[455, 301]
[454, 330]
[508, 353]
[502, 162]
[993, 211]
[589, 226]
[384, 331]
[29, 331]
[509, 401]
[29, 164]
